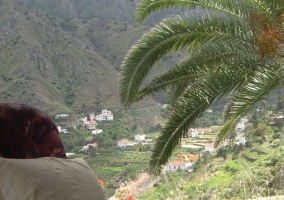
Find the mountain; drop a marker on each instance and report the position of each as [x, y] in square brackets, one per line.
[117, 10]
[57, 64]
[65, 56]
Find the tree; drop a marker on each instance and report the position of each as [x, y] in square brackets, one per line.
[262, 129]
[222, 152]
[234, 49]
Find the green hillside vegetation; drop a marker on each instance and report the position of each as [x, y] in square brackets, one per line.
[237, 172]
[234, 171]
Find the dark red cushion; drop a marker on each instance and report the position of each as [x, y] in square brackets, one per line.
[26, 132]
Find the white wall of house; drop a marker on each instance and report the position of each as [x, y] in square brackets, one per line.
[97, 131]
[100, 117]
[90, 126]
[139, 137]
[121, 144]
[194, 133]
[174, 168]
[242, 140]
[106, 115]
[109, 117]
[63, 130]
[106, 112]
[209, 148]
[61, 115]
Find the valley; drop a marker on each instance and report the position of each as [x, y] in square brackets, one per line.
[65, 58]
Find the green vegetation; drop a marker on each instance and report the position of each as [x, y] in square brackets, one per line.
[117, 166]
[65, 58]
[237, 56]
[240, 178]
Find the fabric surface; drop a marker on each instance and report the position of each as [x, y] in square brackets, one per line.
[26, 132]
[48, 179]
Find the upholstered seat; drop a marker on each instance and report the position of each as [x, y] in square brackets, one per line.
[26, 132]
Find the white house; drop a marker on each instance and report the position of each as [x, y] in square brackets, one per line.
[209, 110]
[62, 130]
[176, 165]
[61, 115]
[194, 132]
[124, 143]
[209, 147]
[106, 115]
[100, 117]
[106, 112]
[139, 137]
[242, 140]
[70, 154]
[90, 126]
[109, 117]
[97, 131]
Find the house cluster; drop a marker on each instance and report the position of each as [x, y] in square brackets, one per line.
[209, 146]
[62, 116]
[90, 124]
[126, 142]
[85, 148]
[182, 162]
[106, 115]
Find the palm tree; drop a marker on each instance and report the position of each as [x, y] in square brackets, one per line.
[234, 50]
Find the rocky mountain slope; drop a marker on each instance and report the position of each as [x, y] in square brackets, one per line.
[57, 64]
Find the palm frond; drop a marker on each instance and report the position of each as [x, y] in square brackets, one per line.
[225, 57]
[188, 108]
[237, 8]
[196, 67]
[270, 8]
[261, 83]
[170, 36]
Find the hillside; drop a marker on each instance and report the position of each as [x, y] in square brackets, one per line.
[60, 65]
[117, 10]
[65, 56]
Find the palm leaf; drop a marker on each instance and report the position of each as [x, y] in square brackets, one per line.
[236, 8]
[188, 108]
[170, 36]
[262, 83]
[196, 67]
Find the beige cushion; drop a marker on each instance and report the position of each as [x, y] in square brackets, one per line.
[48, 179]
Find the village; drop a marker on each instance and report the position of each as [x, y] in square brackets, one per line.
[201, 139]
[131, 151]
